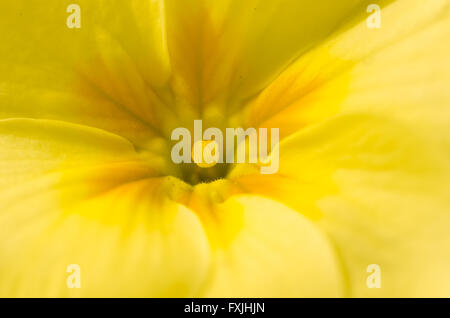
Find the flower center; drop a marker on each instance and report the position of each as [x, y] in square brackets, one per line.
[205, 154]
[147, 117]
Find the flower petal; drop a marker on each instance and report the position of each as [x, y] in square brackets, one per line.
[32, 148]
[380, 191]
[399, 70]
[264, 249]
[215, 45]
[376, 177]
[127, 240]
[76, 195]
[97, 75]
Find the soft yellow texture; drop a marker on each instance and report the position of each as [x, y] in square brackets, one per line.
[375, 176]
[266, 246]
[85, 117]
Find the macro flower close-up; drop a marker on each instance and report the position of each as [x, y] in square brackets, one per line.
[327, 125]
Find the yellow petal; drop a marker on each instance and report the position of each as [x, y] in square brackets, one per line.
[76, 195]
[215, 45]
[403, 71]
[97, 75]
[375, 177]
[32, 148]
[380, 191]
[264, 249]
[115, 222]
[127, 241]
[397, 70]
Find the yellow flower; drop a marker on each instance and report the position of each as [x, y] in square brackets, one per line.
[86, 176]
